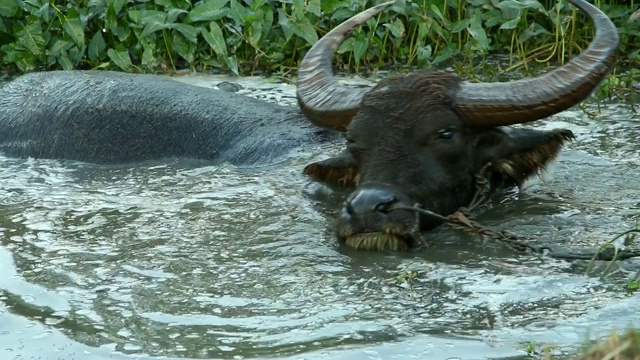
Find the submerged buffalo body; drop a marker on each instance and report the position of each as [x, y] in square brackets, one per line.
[112, 117]
[416, 140]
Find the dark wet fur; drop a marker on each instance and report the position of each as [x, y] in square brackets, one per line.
[520, 166]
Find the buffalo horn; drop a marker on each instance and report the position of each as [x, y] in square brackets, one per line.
[322, 99]
[495, 104]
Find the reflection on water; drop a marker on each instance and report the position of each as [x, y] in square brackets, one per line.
[182, 259]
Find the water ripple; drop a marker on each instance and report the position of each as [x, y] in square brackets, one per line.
[181, 259]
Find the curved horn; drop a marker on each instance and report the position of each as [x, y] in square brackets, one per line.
[495, 104]
[322, 99]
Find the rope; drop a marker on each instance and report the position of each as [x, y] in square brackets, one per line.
[460, 220]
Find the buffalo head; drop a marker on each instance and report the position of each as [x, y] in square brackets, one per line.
[421, 139]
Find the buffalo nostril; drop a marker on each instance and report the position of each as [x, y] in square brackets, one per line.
[384, 207]
[349, 208]
[370, 200]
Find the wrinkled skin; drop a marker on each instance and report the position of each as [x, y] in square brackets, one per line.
[428, 159]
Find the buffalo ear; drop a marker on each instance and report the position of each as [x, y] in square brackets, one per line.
[341, 169]
[517, 154]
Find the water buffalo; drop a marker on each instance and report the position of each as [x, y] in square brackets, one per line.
[414, 139]
[420, 139]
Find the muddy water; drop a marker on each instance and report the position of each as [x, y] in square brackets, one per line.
[181, 259]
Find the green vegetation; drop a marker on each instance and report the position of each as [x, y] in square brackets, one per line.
[624, 239]
[268, 36]
[254, 35]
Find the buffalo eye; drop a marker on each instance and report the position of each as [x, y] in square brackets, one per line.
[354, 148]
[446, 134]
[350, 139]
[351, 143]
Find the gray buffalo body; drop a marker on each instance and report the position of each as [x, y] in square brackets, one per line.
[112, 117]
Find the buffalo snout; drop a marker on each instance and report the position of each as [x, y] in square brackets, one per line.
[371, 220]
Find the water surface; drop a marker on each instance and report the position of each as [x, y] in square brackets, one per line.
[182, 259]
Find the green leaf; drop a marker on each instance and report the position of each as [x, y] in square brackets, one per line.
[305, 30]
[232, 63]
[256, 4]
[215, 39]
[9, 8]
[437, 28]
[313, 6]
[511, 24]
[346, 46]
[437, 12]
[209, 10]
[183, 4]
[341, 14]
[10, 53]
[30, 37]
[285, 24]
[36, 4]
[135, 15]
[120, 57]
[122, 32]
[298, 9]
[238, 12]
[147, 16]
[24, 60]
[446, 53]
[423, 31]
[151, 28]
[458, 26]
[534, 30]
[73, 27]
[396, 28]
[172, 15]
[478, 2]
[148, 60]
[494, 20]
[58, 47]
[116, 5]
[255, 33]
[189, 32]
[97, 46]
[359, 49]
[64, 61]
[424, 53]
[519, 5]
[477, 32]
[26, 63]
[97, 6]
[77, 54]
[331, 5]
[183, 47]
[267, 22]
